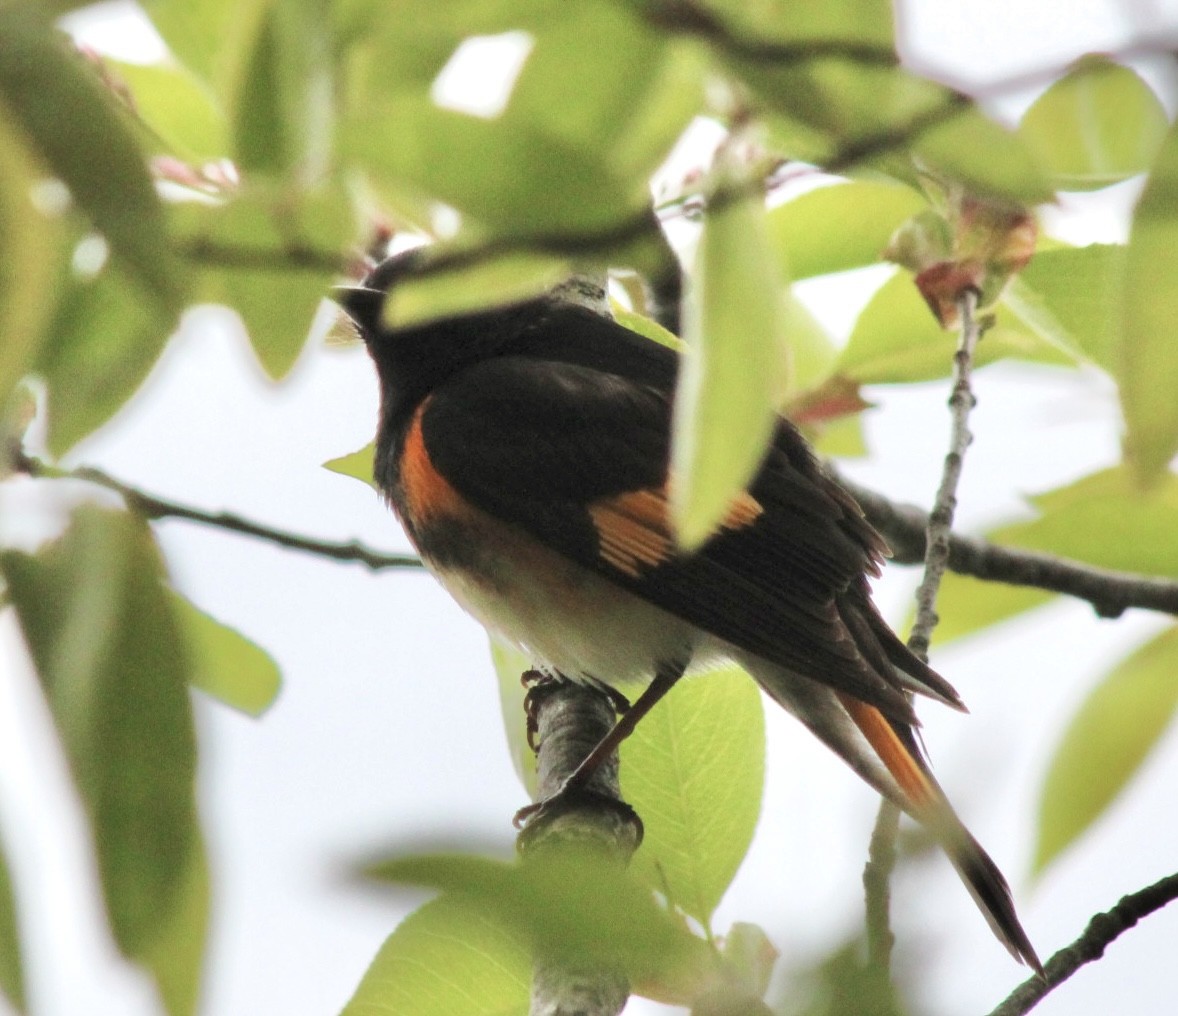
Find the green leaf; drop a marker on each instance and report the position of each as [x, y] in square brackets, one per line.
[841, 438]
[283, 111]
[93, 149]
[389, 55]
[12, 978]
[864, 113]
[749, 958]
[897, 340]
[269, 255]
[109, 652]
[175, 954]
[850, 21]
[28, 270]
[444, 959]
[848, 225]
[178, 108]
[1102, 520]
[100, 347]
[812, 351]
[357, 465]
[225, 664]
[832, 106]
[735, 374]
[1069, 298]
[529, 182]
[263, 141]
[1106, 520]
[570, 905]
[510, 665]
[628, 96]
[212, 38]
[1097, 125]
[697, 787]
[487, 282]
[1147, 371]
[987, 158]
[574, 149]
[1118, 724]
[646, 327]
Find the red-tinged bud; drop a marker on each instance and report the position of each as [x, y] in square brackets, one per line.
[942, 286]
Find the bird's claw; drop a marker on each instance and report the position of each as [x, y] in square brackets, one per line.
[572, 797]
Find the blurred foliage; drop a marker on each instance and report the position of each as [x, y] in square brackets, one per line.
[1119, 723]
[108, 648]
[255, 167]
[12, 978]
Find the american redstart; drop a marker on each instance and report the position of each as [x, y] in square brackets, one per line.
[525, 450]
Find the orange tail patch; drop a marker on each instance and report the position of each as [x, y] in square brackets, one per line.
[906, 768]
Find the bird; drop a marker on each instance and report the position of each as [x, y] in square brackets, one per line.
[525, 449]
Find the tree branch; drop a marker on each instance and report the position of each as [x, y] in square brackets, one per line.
[1101, 931]
[286, 258]
[877, 895]
[939, 528]
[881, 856]
[570, 720]
[682, 17]
[151, 507]
[1110, 592]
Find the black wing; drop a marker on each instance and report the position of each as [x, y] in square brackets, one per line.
[577, 456]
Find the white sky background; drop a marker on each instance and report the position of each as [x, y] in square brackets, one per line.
[388, 727]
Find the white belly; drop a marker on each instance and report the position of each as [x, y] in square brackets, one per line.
[576, 623]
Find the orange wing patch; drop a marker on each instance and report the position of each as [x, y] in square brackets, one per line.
[907, 771]
[634, 532]
[427, 493]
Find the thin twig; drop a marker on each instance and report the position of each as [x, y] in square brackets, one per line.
[1146, 45]
[1100, 932]
[904, 526]
[151, 507]
[877, 892]
[285, 258]
[1110, 592]
[881, 858]
[940, 520]
[683, 17]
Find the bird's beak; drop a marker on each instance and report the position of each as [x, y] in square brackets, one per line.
[362, 304]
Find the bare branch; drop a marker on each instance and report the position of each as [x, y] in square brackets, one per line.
[877, 892]
[881, 856]
[683, 17]
[1134, 48]
[1101, 931]
[940, 520]
[1110, 592]
[151, 507]
[287, 258]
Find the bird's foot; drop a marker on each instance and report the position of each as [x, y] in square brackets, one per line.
[537, 686]
[571, 798]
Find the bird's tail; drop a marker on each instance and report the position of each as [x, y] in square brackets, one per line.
[896, 747]
[885, 752]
